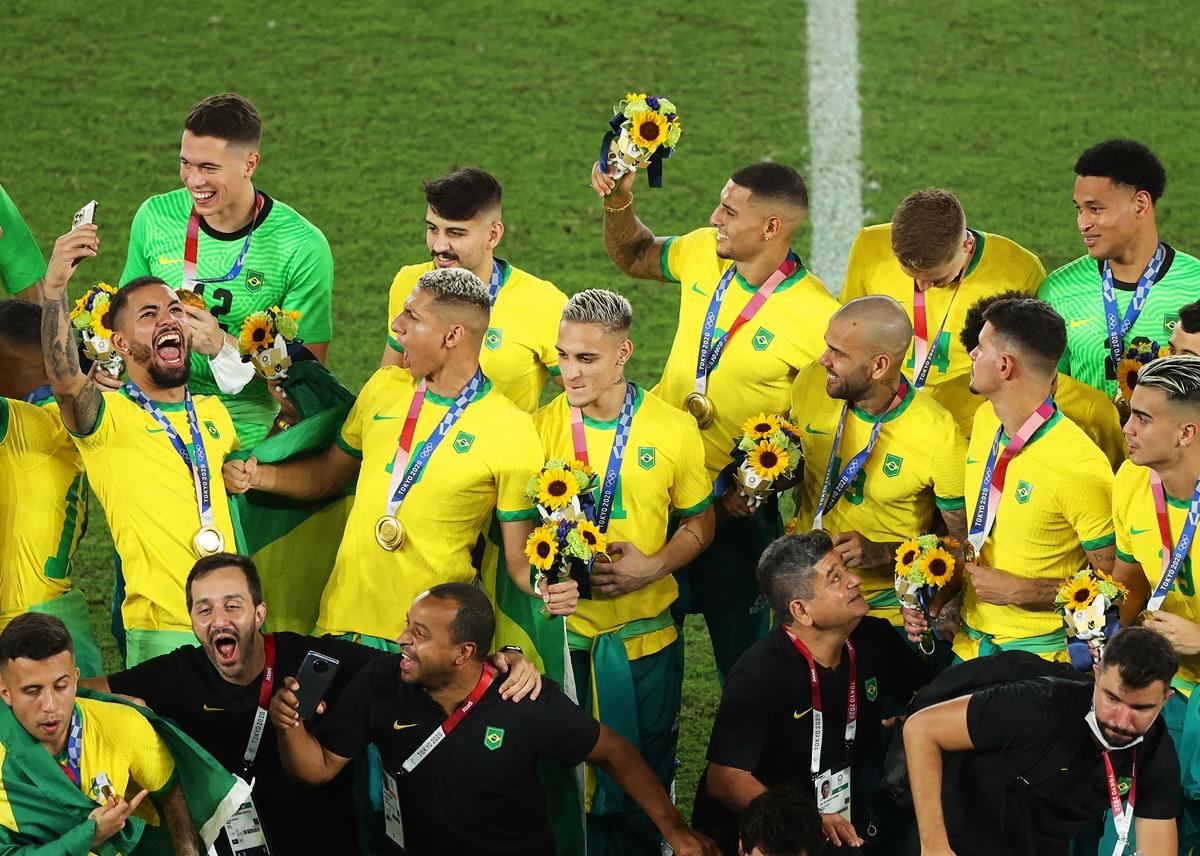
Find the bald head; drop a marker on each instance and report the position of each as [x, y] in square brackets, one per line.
[881, 321]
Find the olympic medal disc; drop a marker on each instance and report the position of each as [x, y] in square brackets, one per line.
[389, 533]
[208, 541]
[701, 407]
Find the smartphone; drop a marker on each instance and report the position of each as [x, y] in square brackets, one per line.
[84, 216]
[315, 675]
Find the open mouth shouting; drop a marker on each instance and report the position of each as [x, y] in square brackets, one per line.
[226, 646]
[168, 348]
[408, 661]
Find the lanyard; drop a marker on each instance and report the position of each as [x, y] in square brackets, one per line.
[1172, 558]
[608, 489]
[991, 486]
[818, 716]
[710, 350]
[402, 480]
[452, 721]
[1117, 328]
[42, 392]
[494, 283]
[191, 246]
[830, 492]
[199, 469]
[264, 702]
[1122, 819]
[74, 749]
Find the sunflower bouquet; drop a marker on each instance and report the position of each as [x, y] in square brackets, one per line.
[643, 131]
[90, 316]
[923, 566]
[1140, 351]
[1089, 602]
[766, 457]
[568, 541]
[265, 338]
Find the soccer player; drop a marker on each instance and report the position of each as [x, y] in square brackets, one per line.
[95, 752]
[21, 262]
[243, 250]
[750, 316]
[464, 450]
[463, 226]
[43, 489]
[1156, 504]
[1046, 512]
[1130, 283]
[928, 260]
[151, 427]
[1185, 335]
[858, 409]
[625, 649]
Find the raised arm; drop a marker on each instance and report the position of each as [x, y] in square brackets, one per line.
[302, 755]
[629, 243]
[307, 478]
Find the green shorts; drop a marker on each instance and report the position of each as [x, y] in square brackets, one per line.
[143, 645]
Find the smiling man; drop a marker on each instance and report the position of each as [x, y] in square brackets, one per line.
[242, 250]
[1185, 336]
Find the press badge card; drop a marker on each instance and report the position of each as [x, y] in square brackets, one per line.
[245, 832]
[392, 825]
[833, 792]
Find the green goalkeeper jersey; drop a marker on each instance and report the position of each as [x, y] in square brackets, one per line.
[21, 262]
[288, 264]
[1074, 290]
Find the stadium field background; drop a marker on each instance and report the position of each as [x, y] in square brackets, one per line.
[361, 102]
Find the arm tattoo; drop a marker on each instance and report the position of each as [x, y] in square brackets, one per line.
[631, 245]
[76, 393]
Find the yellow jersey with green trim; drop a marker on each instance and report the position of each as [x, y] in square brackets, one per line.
[484, 463]
[662, 474]
[756, 370]
[43, 506]
[121, 743]
[149, 499]
[520, 348]
[999, 265]
[916, 465]
[1056, 504]
[1138, 542]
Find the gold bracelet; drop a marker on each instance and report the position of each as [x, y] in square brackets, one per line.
[622, 208]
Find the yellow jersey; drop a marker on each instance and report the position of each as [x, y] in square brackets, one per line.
[484, 462]
[1056, 504]
[149, 499]
[1138, 542]
[999, 265]
[917, 464]
[519, 351]
[662, 473]
[121, 743]
[43, 506]
[757, 368]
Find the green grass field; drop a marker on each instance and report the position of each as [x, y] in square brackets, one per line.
[362, 102]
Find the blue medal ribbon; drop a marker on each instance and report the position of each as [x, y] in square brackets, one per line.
[71, 764]
[494, 283]
[197, 461]
[192, 243]
[608, 490]
[1117, 328]
[41, 393]
[1179, 553]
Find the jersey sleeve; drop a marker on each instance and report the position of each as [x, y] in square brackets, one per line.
[514, 470]
[949, 467]
[1085, 494]
[691, 491]
[1120, 507]
[349, 436]
[105, 428]
[310, 288]
[136, 262]
[675, 251]
[855, 283]
[551, 307]
[21, 261]
[739, 733]
[566, 732]
[151, 765]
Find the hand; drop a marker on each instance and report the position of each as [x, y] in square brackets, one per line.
[915, 625]
[736, 505]
[859, 552]
[688, 842]
[77, 244]
[839, 831]
[103, 379]
[285, 706]
[239, 475]
[631, 570]
[560, 598]
[207, 335]
[618, 193]
[1183, 635]
[993, 585]
[110, 817]
[287, 410]
[523, 678]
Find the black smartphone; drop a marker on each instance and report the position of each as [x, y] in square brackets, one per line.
[315, 675]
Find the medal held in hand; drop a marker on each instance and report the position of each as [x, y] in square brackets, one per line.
[642, 134]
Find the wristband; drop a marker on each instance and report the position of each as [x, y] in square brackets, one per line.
[230, 373]
[516, 649]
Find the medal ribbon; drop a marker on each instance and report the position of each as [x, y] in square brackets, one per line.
[74, 749]
[402, 479]
[1122, 820]
[452, 721]
[201, 475]
[38, 394]
[991, 487]
[818, 719]
[608, 489]
[1172, 557]
[710, 351]
[191, 247]
[264, 702]
[1118, 328]
[830, 495]
[494, 283]
[923, 348]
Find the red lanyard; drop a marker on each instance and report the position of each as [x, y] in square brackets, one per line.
[264, 701]
[191, 247]
[452, 721]
[1121, 819]
[817, 714]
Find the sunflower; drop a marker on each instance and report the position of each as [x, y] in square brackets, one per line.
[1127, 375]
[101, 327]
[768, 460]
[555, 488]
[906, 556]
[648, 130]
[592, 536]
[761, 426]
[1078, 593]
[542, 548]
[634, 96]
[937, 566]
[256, 333]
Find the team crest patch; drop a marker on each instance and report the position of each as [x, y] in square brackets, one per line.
[254, 281]
[493, 339]
[462, 443]
[493, 738]
[892, 465]
[646, 457]
[872, 689]
[212, 429]
[762, 339]
[1124, 784]
[1169, 322]
[1024, 491]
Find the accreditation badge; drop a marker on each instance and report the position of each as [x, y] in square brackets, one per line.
[245, 832]
[833, 791]
[393, 826]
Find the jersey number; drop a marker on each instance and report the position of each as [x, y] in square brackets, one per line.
[224, 298]
[855, 494]
[941, 355]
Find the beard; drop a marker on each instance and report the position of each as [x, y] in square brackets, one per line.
[163, 377]
[851, 388]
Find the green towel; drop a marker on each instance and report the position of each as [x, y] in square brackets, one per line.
[1047, 643]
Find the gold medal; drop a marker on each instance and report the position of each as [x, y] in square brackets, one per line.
[389, 533]
[1122, 405]
[208, 540]
[969, 555]
[701, 407]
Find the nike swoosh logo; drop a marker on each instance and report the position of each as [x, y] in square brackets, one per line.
[163, 260]
[972, 461]
[396, 725]
[808, 429]
[1081, 322]
[1135, 531]
[379, 417]
[208, 709]
[801, 715]
[696, 288]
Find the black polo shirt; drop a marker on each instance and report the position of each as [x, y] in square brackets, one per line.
[764, 721]
[477, 791]
[185, 686]
[1015, 728]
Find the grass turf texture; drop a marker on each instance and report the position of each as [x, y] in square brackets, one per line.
[362, 103]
